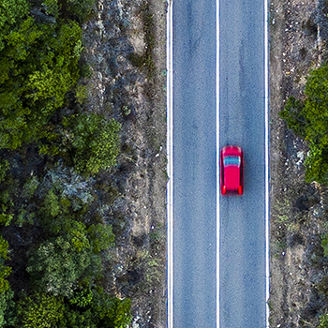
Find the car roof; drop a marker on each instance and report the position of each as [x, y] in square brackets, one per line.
[232, 173]
[232, 177]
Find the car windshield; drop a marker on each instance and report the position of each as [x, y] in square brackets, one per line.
[231, 160]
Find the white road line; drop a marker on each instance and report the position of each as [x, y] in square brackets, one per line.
[217, 173]
[267, 218]
[169, 110]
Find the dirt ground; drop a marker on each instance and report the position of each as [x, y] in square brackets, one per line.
[298, 210]
[125, 47]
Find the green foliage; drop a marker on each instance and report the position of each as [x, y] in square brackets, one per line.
[6, 308]
[51, 203]
[57, 265]
[6, 218]
[81, 93]
[11, 12]
[79, 9]
[292, 114]
[30, 186]
[40, 311]
[78, 319]
[94, 308]
[309, 120]
[4, 167]
[94, 142]
[323, 321]
[40, 66]
[4, 270]
[324, 244]
[82, 298]
[52, 7]
[101, 236]
[112, 312]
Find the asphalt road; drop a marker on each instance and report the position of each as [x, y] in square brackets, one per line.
[241, 116]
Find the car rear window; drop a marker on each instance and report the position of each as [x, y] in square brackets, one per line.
[231, 160]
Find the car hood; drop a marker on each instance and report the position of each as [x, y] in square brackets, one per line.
[232, 177]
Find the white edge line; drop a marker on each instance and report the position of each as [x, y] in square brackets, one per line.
[217, 173]
[169, 111]
[267, 204]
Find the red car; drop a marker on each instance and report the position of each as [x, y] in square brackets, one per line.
[232, 167]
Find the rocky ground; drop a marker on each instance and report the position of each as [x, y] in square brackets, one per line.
[298, 34]
[125, 47]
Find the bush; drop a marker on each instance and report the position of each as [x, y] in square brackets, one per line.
[4, 167]
[323, 321]
[41, 66]
[4, 270]
[30, 186]
[7, 306]
[11, 12]
[112, 312]
[6, 218]
[101, 237]
[40, 311]
[309, 120]
[93, 140]
[324, 244]
[79, 9]
[57, 265]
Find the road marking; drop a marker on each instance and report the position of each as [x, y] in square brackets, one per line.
[217, 173]
[169, 196]
[266, 99]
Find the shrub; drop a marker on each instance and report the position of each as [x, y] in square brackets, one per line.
[309, 120]
[112, 312]
[52, 204]
[324, 244]
[41, 66]
[7, 305]
[30, 186]
[4, 167]
[11, 12]
[94, 142]
[79, 9]
[4, 270]
[51, 7]
[323, 321]
[93, 308]
[57, 265]
[6, 218]
[40, 311]
[101, 237]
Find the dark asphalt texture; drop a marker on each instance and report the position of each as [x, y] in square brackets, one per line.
[242, 235]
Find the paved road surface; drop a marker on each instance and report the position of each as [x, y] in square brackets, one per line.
[242, 234]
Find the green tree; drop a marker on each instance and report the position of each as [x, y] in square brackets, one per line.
[112, 312]
[4, 270]
[40, 311]
[79, 9]
[58, 264]
[11, 12]
[93, 140]
[101, 237]
[40, 67]
[7, 306]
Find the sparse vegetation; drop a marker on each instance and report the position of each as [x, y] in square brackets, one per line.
[308, 119]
